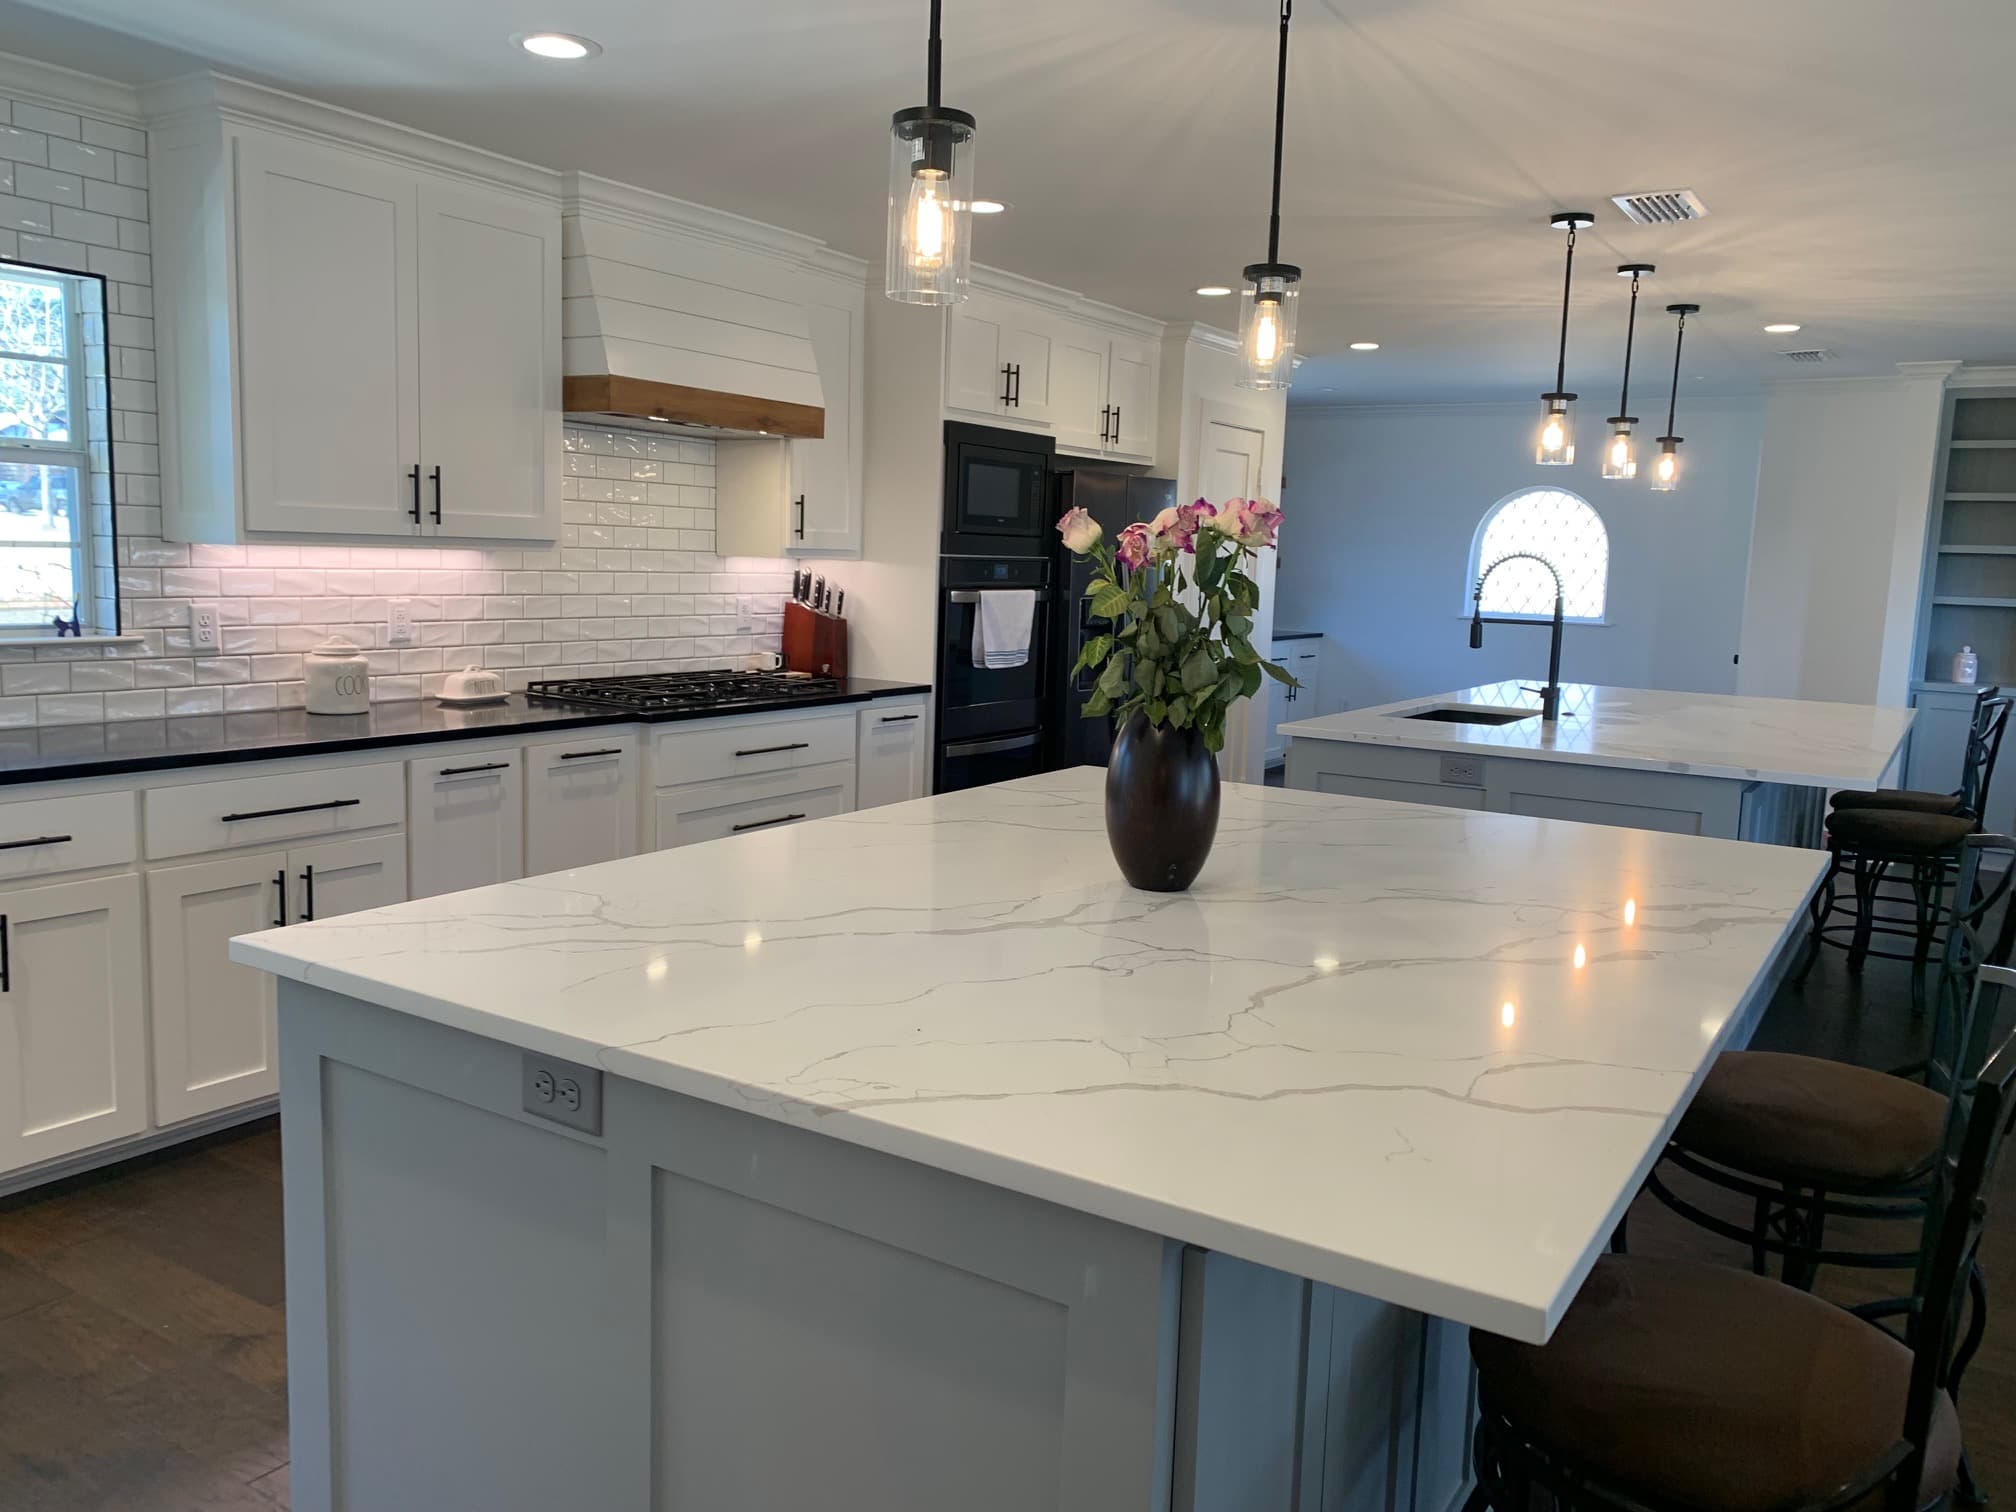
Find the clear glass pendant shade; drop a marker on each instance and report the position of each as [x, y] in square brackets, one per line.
[1620, 453]
[1666, 466]
[930, 206]
[1267, 326]
[1554, 443]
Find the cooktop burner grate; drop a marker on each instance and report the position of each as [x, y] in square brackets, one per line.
[662, 691]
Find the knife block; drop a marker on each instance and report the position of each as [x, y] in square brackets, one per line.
[814, 642]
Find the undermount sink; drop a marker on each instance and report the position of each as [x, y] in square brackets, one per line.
[1456, 714]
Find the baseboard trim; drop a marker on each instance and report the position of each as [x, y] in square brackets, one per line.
[143, 1144]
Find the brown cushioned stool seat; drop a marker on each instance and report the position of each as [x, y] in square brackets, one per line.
[1898, 831]
[1799, 1115]
[1898, 798]
[1709, 1387]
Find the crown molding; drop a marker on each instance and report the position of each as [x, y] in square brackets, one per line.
[194, 98]
[1981, 375]
[1927, 372]
[66, 89]
[644, 210]
[1065, 302]
[1197, 333]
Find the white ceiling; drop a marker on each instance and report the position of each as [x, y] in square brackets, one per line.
[1856, 154]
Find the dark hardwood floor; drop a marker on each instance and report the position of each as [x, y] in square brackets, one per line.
[142, 1351]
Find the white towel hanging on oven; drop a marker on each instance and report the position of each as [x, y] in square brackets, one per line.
[1002, 625]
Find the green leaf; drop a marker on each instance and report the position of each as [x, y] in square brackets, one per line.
[1096, 705]
[1148, 643]
[1280, 674]
[1113, 681]
[1169, 620]
[1249, 680]
[1111, 601]
[1179, 713]
[1238, 624]
[1214, 738]
[1096, 650]
[1157, 711]
[1241, 651]
[1198, 672]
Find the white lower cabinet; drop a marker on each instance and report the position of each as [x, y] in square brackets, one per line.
[465, 820]
[73, 1028]
[214, 1037]
[582, 801]
[892, 760]
[741, 805]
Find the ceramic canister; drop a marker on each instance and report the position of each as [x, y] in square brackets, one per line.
[339, 678]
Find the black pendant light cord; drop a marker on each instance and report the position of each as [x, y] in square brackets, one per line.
[1673, 404]
[934, 64]
[1567, 288]
[1280, 125]
[1630, 330]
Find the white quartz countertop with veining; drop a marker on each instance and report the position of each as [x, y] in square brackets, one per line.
[1787, 740]
[1417, 1053]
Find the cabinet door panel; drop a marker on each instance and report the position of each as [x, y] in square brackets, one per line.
[328, 340]
[973, 379]
[73, 1031]
[893, 756]
[465, 821]
[214, 1038]
[346, 876]
[581, 802]
[1131, 382]
[1028, 348]
[826, 472]
[1078, 392]
[747, 805]
[489, 364]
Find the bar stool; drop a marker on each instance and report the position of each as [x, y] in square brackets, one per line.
[1869, 834]
[1681, 1384]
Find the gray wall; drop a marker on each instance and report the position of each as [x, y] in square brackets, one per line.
[1382, 504]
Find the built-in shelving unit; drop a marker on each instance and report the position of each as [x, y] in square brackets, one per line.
[1970, 595]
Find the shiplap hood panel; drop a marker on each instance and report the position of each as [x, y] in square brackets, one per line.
[661, 324]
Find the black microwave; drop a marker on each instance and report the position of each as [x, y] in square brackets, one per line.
[997, 492]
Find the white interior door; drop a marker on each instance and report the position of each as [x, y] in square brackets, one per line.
[1231, 462]
[489, 365]
[328, 340]
[73, 1020]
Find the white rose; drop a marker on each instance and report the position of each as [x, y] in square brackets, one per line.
[1080, 532]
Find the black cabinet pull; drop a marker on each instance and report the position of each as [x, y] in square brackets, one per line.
[899, 718]
[299, 808]
[307, 893]
[1017, 400]
[765, 823]
[415, 476]
[280, 893]
[796, 745]
[488, 766]
[584, 755]
[437, 495]
[799, 504]
[1116, 425]
[1007, 384]
[1106, 422]
[6, 958]
[38, 840]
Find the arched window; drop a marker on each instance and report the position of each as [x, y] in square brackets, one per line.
[1555, 524]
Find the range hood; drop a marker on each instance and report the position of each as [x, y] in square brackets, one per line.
[662, 331]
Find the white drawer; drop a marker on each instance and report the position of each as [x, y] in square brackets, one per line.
[707, 749]
[748, 805]
[195, 817]
[42, 836]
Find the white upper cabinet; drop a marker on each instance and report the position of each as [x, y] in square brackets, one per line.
[1040, 359]
[351, 343]
[489, 364]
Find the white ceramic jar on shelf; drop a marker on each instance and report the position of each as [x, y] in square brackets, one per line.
[338, 678]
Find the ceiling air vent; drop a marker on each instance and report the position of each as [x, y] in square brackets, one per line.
[1661, 207]
[1808, 354]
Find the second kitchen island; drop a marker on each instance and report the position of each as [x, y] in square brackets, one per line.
[909, 1159]
[1687, 763]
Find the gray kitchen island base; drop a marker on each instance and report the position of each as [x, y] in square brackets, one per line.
[705, 1310]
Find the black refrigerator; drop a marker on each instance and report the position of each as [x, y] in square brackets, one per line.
[1116, 500]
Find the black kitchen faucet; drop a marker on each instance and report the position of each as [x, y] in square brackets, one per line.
[1550, 696]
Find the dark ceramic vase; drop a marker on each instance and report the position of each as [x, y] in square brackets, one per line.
[1161, 805]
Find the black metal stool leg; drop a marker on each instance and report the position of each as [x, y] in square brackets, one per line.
[1821, 909]
[1867, 875]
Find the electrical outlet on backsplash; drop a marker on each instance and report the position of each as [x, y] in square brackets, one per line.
[633, 585]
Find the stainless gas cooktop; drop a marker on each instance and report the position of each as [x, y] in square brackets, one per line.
[662, 692]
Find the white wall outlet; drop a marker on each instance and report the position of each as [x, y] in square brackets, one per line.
[203, 626]
[745, 613]
[400, 629]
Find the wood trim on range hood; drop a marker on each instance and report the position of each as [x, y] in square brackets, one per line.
[608, 394]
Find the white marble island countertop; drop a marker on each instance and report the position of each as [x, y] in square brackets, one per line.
[1417, 1053]
[1793, 741]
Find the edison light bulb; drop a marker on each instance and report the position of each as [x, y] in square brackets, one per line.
[1551, 434]
[1620, 452]
[1668, 466]
[1266, 333]
[928, 213]
[1666, 471]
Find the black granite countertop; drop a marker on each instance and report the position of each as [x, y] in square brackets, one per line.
[1281, 635]
[48, 753]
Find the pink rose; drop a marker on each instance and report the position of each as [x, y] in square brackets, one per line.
[1133, 549]
[1166, 532]
[1080, 531]
[1194, 517]
[1263, 520]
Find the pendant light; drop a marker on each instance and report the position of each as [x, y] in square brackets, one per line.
[1267, 322]
[930, 195]
[1666, 470]
[1620, 456]
[1555, 446]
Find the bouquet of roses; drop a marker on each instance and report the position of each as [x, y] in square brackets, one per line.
[1181, 602]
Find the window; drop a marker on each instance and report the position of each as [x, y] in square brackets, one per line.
[1555, 524]
[45, 460]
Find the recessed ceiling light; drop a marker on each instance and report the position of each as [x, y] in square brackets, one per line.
[556, 45]
[1364, 346]
[1781, 328]
[988, 207]
[1214, 291]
